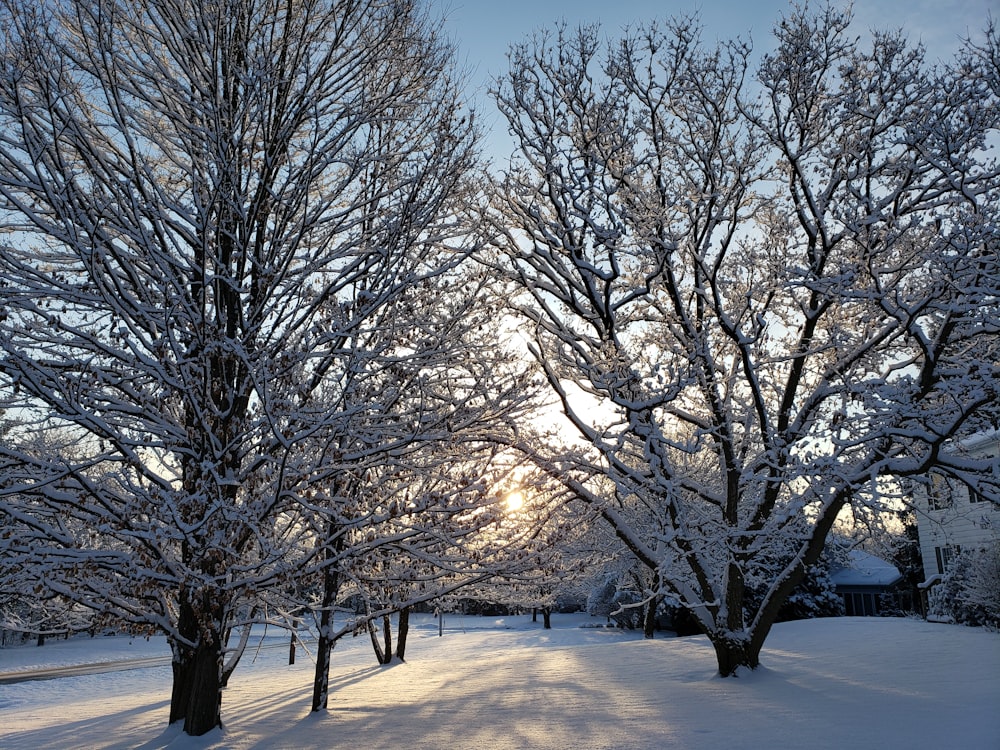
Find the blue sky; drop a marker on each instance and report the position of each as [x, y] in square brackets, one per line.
[484, 29]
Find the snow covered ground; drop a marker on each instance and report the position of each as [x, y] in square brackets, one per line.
[506, 683]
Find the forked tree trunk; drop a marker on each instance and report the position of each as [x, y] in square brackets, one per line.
[383, 645]
[383, 653]
[732, 641]
[734, 652]
[196, 695]
[737, 646]
[404, 630]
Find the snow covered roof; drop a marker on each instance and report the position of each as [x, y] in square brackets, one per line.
[979, 440]
[864, 569]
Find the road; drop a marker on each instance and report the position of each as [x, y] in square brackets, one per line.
[74, 670]
[122, 665]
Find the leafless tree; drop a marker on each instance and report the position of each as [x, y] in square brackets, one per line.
[752, 295]
[203, 204]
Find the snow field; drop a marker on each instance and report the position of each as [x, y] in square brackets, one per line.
[502, 684]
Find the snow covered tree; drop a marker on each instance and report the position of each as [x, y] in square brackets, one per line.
[538, 563]
[980, 591]
[970, 591]
[203, 202]
[425, 396]
[814, 596]
[27, 605]
[416, 529]
[752, 299]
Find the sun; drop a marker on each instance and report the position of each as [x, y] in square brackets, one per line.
[514, 501]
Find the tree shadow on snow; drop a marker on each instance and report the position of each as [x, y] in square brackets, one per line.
[89, 732]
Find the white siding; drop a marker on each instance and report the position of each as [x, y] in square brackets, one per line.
[963, 525]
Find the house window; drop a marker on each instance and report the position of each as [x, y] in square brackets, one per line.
[938, 492]
[944, 556]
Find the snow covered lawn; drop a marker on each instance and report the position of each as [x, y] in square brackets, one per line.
[506, 683]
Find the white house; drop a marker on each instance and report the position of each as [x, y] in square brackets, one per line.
[950, 517]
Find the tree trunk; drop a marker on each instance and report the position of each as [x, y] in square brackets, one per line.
[331, 587]
[547, 618]
[737, 646]
[321, 681]
[382, 655]
[733, 643]
[733, 652]
[404, 629]
[187, 627]
[387, 635]
[180, 693]
[196, 694]
[204, 712]
[649, 621]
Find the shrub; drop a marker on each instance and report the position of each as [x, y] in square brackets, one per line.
[970, 590]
